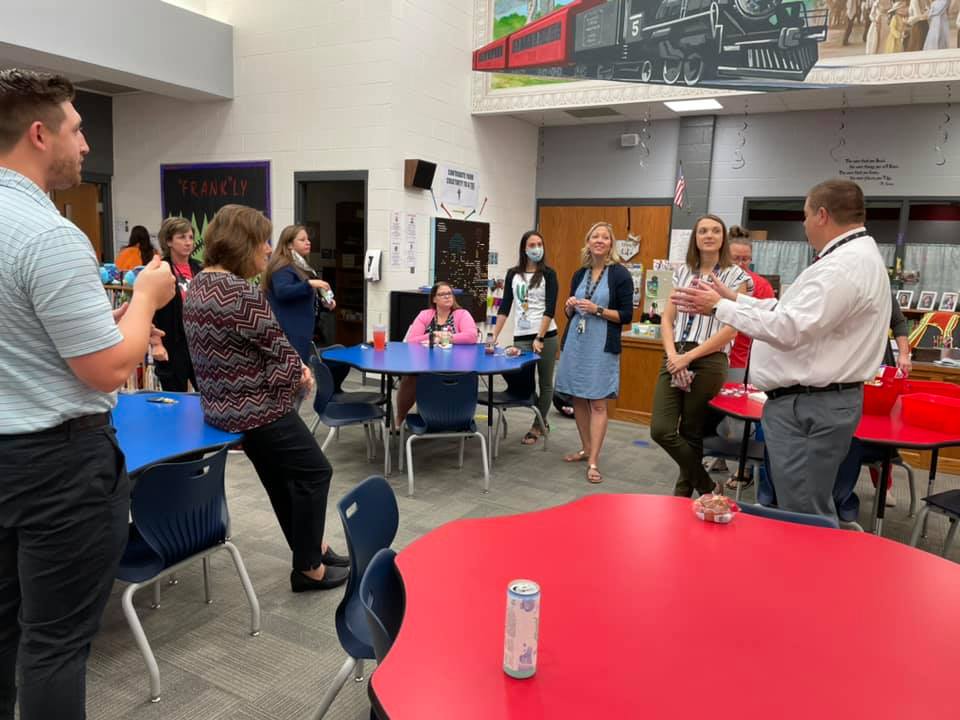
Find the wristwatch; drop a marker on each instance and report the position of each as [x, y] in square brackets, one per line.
[538, 338]
[600, 309]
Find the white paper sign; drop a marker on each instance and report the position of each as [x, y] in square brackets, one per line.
[395, 240]
[679, 242]
[412, 232]
[457, 186]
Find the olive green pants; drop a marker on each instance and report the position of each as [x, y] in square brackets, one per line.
[545, 369]
[678, 418]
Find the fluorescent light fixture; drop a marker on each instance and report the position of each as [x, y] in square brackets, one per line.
[693, 105]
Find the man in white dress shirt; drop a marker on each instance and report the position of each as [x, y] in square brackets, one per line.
[814, 348]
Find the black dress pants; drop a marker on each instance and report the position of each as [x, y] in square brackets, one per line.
[296, 475]
[64, 504]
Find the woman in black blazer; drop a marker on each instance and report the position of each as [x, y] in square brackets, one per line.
[600, 304]
[176, 244]
[531, 287]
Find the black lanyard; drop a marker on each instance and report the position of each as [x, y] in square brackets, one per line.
[840, 243]
[689, 324]
[592, 288]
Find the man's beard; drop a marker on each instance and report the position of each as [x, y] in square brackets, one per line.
[64, 174]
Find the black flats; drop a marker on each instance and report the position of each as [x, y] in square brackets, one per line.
[329, 557]
[332, 577]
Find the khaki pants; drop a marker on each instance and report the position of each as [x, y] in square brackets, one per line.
[545, 370]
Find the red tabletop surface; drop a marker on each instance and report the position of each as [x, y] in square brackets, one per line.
[879, 429]
[646, 612]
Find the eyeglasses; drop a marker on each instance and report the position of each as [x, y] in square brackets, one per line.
[444, 294]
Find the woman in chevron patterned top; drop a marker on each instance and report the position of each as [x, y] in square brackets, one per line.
[249, 376]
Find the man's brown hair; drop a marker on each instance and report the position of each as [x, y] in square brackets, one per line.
[27, 96]
[233, 238]
[842, 199]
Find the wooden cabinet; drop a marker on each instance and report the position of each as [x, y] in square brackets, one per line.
[949, 459]
[348, 283]
[640, 363]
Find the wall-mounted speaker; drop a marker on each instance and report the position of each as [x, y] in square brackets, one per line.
[418, 173]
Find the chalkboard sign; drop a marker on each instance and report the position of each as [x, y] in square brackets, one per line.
[461, 252]
[197, 191]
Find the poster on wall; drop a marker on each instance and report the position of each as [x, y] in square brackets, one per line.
[461, 251]
[196, 191]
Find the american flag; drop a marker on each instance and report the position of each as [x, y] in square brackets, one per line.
[680, 189]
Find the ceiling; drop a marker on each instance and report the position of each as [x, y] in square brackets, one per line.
[80, 80]
[735, 103]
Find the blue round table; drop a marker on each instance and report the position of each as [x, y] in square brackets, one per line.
[401, 358]
[151, 432]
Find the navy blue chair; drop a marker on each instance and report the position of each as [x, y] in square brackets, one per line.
[521, 392]
[945, 503]
[381, 592]
[339, 371]
[179, 515]
[446, 405]
[370, 518]
[788, 516]
[336, 415]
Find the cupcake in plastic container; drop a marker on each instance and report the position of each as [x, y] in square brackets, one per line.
[715, 508]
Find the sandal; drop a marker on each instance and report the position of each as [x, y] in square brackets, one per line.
[593, 474]
[531, 437]
[576, 457]
[732, 482]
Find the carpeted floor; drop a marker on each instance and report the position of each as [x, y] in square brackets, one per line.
[211, 669]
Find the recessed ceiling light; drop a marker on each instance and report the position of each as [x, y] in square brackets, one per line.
[693, 105]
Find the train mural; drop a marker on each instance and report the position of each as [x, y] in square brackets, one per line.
[750, 44]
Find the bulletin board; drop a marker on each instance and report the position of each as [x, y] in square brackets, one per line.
[461, 251]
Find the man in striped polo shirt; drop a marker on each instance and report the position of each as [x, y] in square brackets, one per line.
[64, 492]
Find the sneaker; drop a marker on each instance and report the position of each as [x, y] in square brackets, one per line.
[332, 577]
[891, 500]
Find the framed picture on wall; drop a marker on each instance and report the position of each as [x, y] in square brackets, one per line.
[904, 299]
[928, 300]
[948, 301]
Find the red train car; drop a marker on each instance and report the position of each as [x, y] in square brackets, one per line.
[547, 41]
[492, 56]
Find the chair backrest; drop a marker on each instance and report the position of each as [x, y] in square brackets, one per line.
[381, 592]
[338, 370]
[521, 384]
[180, 508]
[447, 403]
[324, 383]
[788, 516]
[370, 518]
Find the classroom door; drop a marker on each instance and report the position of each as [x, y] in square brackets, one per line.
[82, 205]
[564, 229]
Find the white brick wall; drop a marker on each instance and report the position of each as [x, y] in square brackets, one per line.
[339, 85]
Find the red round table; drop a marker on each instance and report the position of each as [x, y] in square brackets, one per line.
[646, 611]
[888, 431]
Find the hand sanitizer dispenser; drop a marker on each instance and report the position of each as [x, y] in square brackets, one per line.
[371, 265]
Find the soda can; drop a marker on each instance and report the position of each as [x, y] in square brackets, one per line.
[522, 629]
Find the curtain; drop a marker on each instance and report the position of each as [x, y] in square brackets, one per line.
[788, 258]
[939, 267]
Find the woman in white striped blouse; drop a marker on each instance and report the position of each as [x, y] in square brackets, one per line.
[695, 362]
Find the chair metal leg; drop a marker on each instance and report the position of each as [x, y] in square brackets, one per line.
[400, 449]
[326, 442]
[874, 510]
[140, 638]
[486, 465]
[338, 434]
[951, 534]
[913, 489]
[495, 438]
[247, 587]
[172, 579]
[463, 441]
[314, 426]
[358, 671]
[918, 525]
[156, 596]
[410, 464]
[206, 580]
[345, 671]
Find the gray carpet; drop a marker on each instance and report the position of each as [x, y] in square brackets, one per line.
[211, 668]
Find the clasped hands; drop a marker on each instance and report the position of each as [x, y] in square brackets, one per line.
[577, 305]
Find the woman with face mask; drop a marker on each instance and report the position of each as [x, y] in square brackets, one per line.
[531, 288]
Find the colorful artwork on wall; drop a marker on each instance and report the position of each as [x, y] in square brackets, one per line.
[737, 44]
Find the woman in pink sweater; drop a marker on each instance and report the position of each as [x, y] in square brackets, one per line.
[444, 314]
